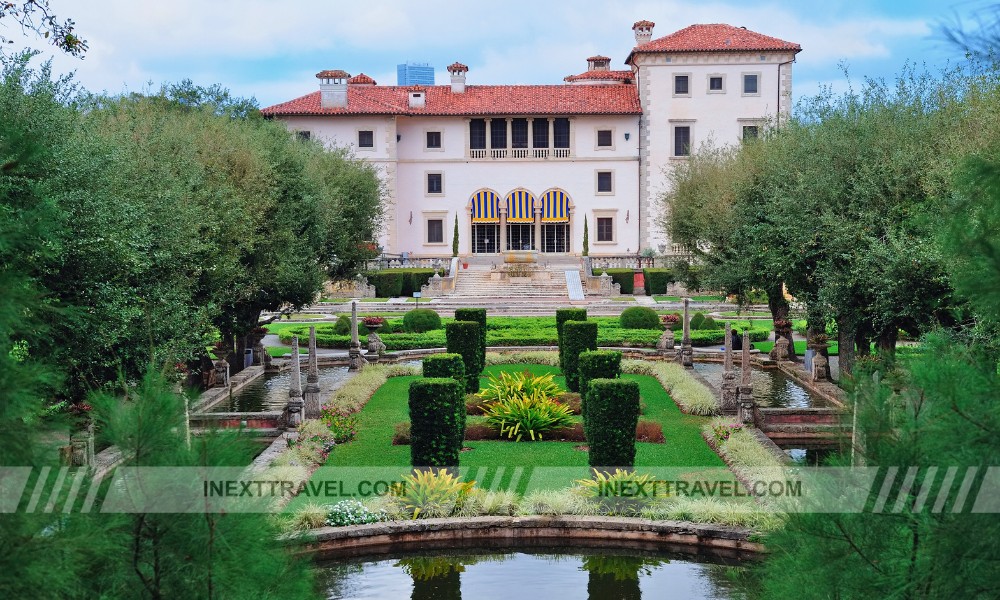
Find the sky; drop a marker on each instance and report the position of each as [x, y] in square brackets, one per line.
[272, 50]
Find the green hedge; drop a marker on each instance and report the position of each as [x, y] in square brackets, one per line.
[623, 277]
[437, 422]
[577, 337]
[657, 280]
[445, 365]
[463, 339]
[640, 317]
[613, 409]
[476, 315]
[596, 364]
[388, 284]
[563, 315]
[420, 320]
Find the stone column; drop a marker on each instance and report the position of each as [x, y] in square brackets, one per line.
[730, 405]
[503, 225]
[295, 404]
[488, 123]
[313, 404]
[538, 227]
[687, 354]
[356, 361]
[746, 387]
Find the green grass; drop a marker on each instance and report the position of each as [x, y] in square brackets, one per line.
[279, 351]
[734, 313]
[684, 445]
[305, 316]
[623, 298]
[693, 299]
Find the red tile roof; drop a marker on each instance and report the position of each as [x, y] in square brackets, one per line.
[598, 99]
[623, 76]
[714, 38]
[598, 57]
[457, 66]
[333, 74]
[361, 78]
[643, 24]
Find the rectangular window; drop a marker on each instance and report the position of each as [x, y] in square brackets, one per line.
[750, 84]
[477, 134]
[540, 133]
[303, 135]
[682, 140]
[604, 182]
[435, 231]
[366, 139]
[560, 134]
[715, 84]
[750, 132]
[681, 84]
[433, 139]
[434, 183]
[604, 138]
[605, 229]
[519, 133]
[498, 133]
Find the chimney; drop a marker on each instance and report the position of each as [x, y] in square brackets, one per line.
[361, 79]
[643, 31]
[418, 97]
[598, 63]
[333, 88]
[458, 71]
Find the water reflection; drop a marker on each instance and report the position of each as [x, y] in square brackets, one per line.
[270, 391]
[771, 387]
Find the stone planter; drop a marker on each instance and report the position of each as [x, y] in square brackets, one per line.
[520, 256]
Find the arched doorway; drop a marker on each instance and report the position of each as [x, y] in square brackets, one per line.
[520, 220]
[556, 207]
[484, 206]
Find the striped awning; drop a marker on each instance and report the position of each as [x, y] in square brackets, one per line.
[485, 207]
[520, 207]
[555, 207]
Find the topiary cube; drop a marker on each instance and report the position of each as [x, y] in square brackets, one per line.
[578, 336]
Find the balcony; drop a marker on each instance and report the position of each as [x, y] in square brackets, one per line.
[518, 153]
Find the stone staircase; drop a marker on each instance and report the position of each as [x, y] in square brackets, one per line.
[489, 284]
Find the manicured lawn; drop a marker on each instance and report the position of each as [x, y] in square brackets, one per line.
[279, 351]
[733, 313]
[800, 347]
[693, 298]
[684, 446]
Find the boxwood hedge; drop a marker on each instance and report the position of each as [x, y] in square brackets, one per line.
[437, 422]
[445, 365]
[463, 338]
[596, 364]
[578, 336]
[613, 411]
[476, 315]
[623, 277]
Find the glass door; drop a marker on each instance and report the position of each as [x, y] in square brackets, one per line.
[555, 237]
[485, 238]
[520, 236]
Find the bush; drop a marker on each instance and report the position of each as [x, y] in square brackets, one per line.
[697, 320]
[415, 279]
[613, 408]
[623, 277]
[463, 338]
[598, 364]
[433, 494]
[420, 320]
[577, 337]
[709, 324]
[657, 280]
[388, 284]
[437, 422]
[342, 327]
[476, 315]
[563, 315]
[352, 512]
[445, 365]
[639, 317]
[534, 415]
[342, 424]
[519, 385]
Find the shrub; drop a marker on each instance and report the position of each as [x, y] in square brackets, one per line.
[309, 516]
[463, 338]
[577, 337]
[388, 284]
[639, 317]
[723, 430]
[649, 431]
[657, 280]
[623, 277]
[532, 415]
[489, 503]
[709, 324]
[342, 327]
[437, 422]
[563, 315]
[313, 445]
[445, 365]
[352, 512]
[476, 315]
[613, 408]
[697, 320]
[433, 493]
[616, 492]
[415, 279]
[519, 385]
[342, 424]
[420, 320]
[596, 364]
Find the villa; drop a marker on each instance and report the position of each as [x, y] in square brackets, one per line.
[524, 166]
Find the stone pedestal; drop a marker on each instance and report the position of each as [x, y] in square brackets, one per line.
[730, 400]
[355, 361]
[665, 345]
[780, 350]
[820, 364]
[746, 405]
[294, 408]
[81, 443]
[221, 373]
[687, 354]
[745, 389]
[312, 402]
[375, 348]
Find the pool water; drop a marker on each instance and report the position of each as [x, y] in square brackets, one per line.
[270, 391]
[771, 387]
[566, 574]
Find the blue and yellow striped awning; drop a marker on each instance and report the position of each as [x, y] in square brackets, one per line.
[520, 207]
[555, 207]
[485, 207]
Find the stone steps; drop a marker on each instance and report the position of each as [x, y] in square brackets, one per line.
[485, 284]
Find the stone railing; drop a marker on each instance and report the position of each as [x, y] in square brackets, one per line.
[404, 261]
[518, 153]
[438, 286]
[632, 261]
[349, 288]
